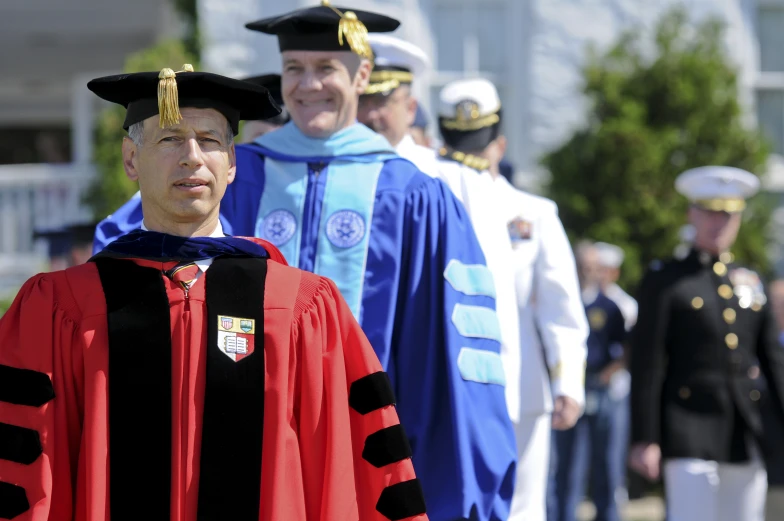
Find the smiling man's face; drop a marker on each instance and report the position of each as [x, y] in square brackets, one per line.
[182, 170]
[321, 89]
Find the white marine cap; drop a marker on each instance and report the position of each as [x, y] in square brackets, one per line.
[397, 62]
[718, 188]
[610, 255]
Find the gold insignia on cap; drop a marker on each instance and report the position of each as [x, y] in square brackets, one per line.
[729, 205]
[168, 97]
[467, 118]
[355, 32]
[386, 81]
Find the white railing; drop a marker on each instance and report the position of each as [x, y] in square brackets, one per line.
[36, 197]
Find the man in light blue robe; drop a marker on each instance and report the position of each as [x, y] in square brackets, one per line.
[338, 201]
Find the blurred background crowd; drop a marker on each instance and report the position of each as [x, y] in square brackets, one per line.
[605, 103]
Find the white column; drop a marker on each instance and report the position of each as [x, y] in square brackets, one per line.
[82, 114]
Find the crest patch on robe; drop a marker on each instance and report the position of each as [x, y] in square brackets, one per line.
[236, 336]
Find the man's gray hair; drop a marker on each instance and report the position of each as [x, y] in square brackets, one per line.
[136, 133]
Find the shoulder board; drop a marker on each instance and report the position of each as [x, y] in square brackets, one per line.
[471, 161]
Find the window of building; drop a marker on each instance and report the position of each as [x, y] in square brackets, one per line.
[770, 85]
[35, 145]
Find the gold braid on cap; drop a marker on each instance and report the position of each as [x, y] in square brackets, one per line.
[729, 204]
[355, 31]
[168, 98]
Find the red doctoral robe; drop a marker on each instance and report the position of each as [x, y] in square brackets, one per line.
[329, 452]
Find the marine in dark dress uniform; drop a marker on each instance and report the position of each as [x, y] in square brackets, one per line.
[707, 368]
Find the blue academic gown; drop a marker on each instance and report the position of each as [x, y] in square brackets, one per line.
[402, 251]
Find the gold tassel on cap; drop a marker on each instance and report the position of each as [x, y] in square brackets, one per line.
[168, 99]
[355, 32]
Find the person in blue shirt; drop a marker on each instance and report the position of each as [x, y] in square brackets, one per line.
[587, 448]
[334, 197]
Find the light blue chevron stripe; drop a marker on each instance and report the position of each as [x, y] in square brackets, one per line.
[470, 279]
[476, 322]
[481, 366]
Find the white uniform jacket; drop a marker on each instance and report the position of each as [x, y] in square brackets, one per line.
[551, 314]
[626, 303]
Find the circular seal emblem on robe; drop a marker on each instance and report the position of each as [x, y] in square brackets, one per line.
[279, 226]
[345, 228]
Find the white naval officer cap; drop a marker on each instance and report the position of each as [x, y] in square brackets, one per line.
[397, 62]
[469, 114]
[610, 255]
[718, 188]
[469, 104]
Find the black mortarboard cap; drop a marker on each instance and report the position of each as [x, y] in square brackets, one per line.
[271, 82]
[146, 94]
[62, 239]
[325, 28]
[58, 240]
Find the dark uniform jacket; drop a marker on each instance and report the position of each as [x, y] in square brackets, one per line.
[707, 368]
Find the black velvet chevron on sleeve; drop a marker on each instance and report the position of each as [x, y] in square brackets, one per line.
[19, 444]
[402, 500]
[386, 446]
[371, 392]
[13, 501]
[24, 387]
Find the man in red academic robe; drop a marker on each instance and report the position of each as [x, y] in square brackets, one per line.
[183, 375]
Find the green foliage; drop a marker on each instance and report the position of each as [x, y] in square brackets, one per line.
[654, 115]
[5, 303]
[112, 188]
[188, 11]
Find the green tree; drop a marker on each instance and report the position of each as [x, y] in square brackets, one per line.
[652, 116]
[112, 188]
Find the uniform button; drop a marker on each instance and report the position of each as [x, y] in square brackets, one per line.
[684, 393]
[753, 372]
[720, 269]
[754, 395]
[729, 315]
[727, 257]
[697, 302]
[732, 340]
[725, 291]
[756, 306]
